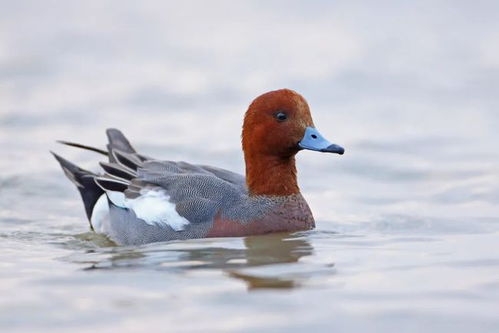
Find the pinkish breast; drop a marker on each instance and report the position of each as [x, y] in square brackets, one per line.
[290, 214]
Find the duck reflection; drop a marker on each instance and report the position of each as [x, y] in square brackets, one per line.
[270, 252]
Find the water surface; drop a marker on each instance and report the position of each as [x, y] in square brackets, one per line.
[407, 220]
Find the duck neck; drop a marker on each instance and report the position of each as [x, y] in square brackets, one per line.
[271, 175]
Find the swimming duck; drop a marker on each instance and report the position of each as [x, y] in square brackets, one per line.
[140, 200]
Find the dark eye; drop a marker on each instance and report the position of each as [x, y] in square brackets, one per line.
[280, 116]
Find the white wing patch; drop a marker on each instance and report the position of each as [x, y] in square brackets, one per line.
[152, 206]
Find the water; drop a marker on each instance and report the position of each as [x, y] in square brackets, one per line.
[407, 220]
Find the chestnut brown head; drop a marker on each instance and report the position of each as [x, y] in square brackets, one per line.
[279, 123]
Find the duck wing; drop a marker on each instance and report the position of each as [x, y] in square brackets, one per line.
[149, 200]
[178, 196]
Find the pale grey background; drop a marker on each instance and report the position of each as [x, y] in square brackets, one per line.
[410, 89]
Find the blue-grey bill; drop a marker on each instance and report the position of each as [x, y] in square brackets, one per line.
[313, 140]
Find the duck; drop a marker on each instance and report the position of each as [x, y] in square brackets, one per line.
[138, 199]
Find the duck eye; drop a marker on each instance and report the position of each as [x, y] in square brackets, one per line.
[281, 116]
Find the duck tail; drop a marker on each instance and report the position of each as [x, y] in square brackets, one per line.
[84, 181]
[116, 139]
[116, 142]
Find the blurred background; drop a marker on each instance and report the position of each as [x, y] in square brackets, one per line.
[409, 89]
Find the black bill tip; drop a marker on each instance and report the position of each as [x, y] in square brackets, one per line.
[334, 149]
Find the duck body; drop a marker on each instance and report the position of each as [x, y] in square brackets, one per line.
[194, 201]
[141, 200]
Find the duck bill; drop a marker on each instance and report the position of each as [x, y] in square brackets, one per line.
[313, 140]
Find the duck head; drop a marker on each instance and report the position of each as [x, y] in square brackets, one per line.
[277, 125]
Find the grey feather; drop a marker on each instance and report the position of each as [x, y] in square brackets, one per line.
[118, 141]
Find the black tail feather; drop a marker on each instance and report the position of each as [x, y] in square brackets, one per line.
[118, 171]
[79, 145]
[111, 184]
[127, 161]
[84, 181]
[117, 142]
